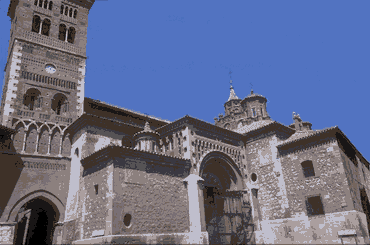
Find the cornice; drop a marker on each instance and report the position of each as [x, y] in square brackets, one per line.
[188, 120]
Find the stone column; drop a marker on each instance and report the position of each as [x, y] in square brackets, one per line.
[195, 207]
[49, 144]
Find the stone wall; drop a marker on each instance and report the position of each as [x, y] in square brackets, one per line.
[262, 161]
[156, 201]
[329, 181]
[95, 203]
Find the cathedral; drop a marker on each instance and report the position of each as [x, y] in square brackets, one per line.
[76, 170]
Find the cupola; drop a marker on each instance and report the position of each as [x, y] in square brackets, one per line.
[147, 139]
[255, 106]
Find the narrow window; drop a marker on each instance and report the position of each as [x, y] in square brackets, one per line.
[66, 11]
[59, 103]
[50, 5]
[40, 3]
[70, 12]
[36, 2]
[45, 4]
[61, 9]
[308, 169]
[71, 35]
[36, 23]
[314, 206]
[96, 189]
[45, 27]
[261, 112]
[253, 112]
[75, 14]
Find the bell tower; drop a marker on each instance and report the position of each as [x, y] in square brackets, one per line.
[45, 70]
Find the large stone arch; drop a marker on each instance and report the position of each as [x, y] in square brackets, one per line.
[225, 208]
[42, 194]
[227, 162]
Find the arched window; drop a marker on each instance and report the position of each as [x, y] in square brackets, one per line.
[51, 5]
[32, 99]
[62, 32]
[59, 103]
[71, 35]
[75, 14]
[36, 2]
[70, 12]
[40, 3]
[45, 27]
[45, 4]
[36, 21]
[66, 11]
[308, 169]
[61, 9]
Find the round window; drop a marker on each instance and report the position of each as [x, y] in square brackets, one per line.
[127, 220]
[254, 177]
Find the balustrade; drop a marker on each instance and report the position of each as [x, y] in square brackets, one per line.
[49, 41]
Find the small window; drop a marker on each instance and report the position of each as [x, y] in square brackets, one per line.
[46, 4]
[308, 169]
[76, 152]
[96, 189]
[254, 177]
[36, 22]
[50, 5]
[127, 220]
[66, 11]
[70, 12]
[314, 206]
[45, 29]
[61, 9]
[40, 3]
[253, 112]
[75, 14]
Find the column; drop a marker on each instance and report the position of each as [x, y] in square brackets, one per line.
[49, 144]
[60, 144]
[195, 200]
[24, 141]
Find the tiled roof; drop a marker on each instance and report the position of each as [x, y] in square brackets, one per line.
[253, 126]
[297, 136]
[112, 145]
[132, 111]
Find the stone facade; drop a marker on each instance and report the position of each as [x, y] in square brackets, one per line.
[96, 173]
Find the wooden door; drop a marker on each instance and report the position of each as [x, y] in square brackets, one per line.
[21, 228]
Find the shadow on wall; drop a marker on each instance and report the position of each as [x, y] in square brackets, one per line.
[12, 166]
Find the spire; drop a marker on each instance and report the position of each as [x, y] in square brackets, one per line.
[232, 92]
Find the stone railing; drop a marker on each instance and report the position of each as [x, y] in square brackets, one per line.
[49, 41]
[68, 19]
[26, 113]
[44, 116]
[42, 10]
[37, 115]
[63, 119]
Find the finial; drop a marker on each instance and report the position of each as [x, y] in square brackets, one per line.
[251, 88]
[231, 84]
[147, 126]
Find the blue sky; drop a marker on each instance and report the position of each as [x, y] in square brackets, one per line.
[172, 58]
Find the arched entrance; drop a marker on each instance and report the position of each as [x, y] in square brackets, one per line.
[227, 214]
[36, 221]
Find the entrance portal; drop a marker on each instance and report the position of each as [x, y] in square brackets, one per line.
[227, 216]
[35, 222]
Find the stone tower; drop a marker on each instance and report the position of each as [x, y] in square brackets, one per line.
[43, 88]
[239, 113]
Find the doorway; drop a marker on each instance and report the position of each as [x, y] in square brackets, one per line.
[36, 222]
